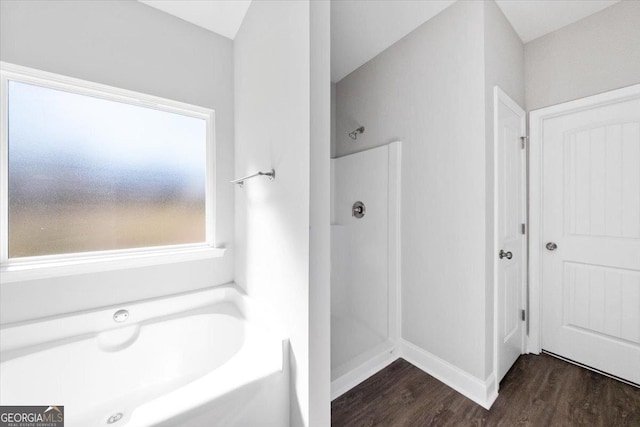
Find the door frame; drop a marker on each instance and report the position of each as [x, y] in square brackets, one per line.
[536, 123]
[500, 96]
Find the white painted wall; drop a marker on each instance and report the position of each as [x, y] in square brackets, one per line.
[129, 45]
[596, 54]
[282, 118]
[427, 90]
[320, 217]
[503, 66]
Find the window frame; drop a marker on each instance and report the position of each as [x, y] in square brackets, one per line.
[35, 267]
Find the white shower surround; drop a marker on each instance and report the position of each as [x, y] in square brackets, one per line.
[372, 341]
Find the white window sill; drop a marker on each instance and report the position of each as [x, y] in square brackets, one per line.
[22, 271]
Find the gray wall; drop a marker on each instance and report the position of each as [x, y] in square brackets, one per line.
[428, 90]
[596, 54]
[433, 90]
[132, 46]
[504, 67]
[333, 120]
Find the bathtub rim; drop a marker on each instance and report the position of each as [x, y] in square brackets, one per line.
[58, 329]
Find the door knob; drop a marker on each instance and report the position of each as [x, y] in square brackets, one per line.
[551, 246]
[503, 254]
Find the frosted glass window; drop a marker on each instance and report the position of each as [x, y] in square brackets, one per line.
[91, 174]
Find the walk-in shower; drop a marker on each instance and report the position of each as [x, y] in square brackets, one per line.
[364, 264]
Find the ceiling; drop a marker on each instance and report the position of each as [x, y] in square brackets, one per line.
[220, 16]
[534, 18]
[361, 29]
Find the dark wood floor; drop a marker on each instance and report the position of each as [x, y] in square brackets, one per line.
[538, 391]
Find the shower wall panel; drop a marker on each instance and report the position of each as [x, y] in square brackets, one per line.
[359, 258]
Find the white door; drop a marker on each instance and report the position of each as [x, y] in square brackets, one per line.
[509, 124]
[590, 248]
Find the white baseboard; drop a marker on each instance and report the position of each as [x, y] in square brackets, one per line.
[484, 393]
[355, 376]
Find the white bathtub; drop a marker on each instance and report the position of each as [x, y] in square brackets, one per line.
[187, 360]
